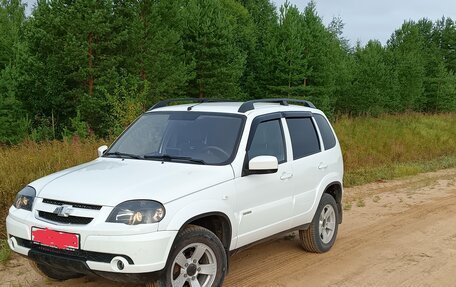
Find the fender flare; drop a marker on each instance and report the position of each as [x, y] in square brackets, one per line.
[327, 189]
[228, 230]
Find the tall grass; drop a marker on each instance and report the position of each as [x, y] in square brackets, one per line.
[374, 148]
[396, 145]
[21, 164]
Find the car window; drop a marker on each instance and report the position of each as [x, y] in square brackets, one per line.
[268, 140]
[208, 137]
[304, 138]
[329, 140]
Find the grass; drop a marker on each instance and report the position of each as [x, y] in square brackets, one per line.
[4, 251]
[374, 149]
[19, 165]
[360, 202]
[393, 146]
[394, 170]
[376, 199]
[348, 205]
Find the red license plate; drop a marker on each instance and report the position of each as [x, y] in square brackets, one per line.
[55, 239]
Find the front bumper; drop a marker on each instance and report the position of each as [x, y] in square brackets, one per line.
[139, 253]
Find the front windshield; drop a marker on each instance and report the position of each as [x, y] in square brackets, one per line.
[194, 137]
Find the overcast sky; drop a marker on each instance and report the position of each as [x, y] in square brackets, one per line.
[377, 19]
[371, 19]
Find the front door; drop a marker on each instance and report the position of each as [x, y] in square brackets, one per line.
[264, 201]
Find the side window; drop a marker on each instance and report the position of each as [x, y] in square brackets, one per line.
[304, 138]
[268, 140]
[329, 140]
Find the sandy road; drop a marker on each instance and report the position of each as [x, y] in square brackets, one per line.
[395, 233]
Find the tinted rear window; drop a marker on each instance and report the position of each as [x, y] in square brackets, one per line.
[304, 138]
[329, 140]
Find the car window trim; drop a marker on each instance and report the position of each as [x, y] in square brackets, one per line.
[297, 114]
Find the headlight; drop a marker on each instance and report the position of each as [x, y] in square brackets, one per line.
[137, 212]
[25, 197]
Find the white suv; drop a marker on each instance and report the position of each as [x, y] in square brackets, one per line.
[183, 188]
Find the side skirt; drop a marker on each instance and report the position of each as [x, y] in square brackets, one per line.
[269, 238]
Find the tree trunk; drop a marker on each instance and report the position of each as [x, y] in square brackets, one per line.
[201, 90]
[90, 56]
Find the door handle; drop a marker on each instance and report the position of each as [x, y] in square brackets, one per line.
[322, 165]
[286, 175]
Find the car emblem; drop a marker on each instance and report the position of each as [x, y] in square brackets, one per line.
[63, 211]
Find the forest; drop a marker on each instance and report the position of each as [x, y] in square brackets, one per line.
[89, 67]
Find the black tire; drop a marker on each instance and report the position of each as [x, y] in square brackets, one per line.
[311, 239]
[53, 273]
[192, 235]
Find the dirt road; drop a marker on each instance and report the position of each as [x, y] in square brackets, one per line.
[395, 233]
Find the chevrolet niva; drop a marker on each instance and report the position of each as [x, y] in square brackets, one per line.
[181, 189]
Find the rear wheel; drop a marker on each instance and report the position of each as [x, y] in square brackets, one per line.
[322, 232]
[197, 259]
[53, 273]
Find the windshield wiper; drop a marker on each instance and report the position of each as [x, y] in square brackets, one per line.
[167, 157]
[123, 154]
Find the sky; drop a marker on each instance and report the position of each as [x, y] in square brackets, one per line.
[377, 19]
[370, 19]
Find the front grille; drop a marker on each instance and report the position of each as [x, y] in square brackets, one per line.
[65, 220]
[76, 205]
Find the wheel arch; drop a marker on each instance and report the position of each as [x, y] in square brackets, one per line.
[335, 189]
[215, 221]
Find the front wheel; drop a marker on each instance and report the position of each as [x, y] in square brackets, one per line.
[322, 232]
[197, 259]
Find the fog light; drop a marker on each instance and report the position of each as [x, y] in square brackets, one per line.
[12, 242]
[120, 265]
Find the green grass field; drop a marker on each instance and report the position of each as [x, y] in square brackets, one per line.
[386, 147]
[396, 145]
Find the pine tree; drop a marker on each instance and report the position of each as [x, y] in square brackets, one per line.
[209, 39]
[327, 61]
[79, 50]
[14, 124]
[373, 83]
[444, 35]
[444, 81]
[292, 62]
[260, 71]
[406, 45]
[163, 61]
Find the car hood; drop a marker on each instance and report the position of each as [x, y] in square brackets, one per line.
[110, 181]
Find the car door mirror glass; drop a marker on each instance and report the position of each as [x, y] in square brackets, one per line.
[263, 164]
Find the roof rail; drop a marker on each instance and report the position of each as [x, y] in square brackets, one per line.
[166, 103]
[247, 106]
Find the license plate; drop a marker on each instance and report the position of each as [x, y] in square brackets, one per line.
[55, 239]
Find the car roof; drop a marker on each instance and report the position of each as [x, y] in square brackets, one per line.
[233, 107]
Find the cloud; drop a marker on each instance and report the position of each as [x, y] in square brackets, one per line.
[373, 19]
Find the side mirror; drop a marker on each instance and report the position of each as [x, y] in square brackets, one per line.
[263, 164]
[101, 150]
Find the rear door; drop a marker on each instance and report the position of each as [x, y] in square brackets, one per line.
[307, 163]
